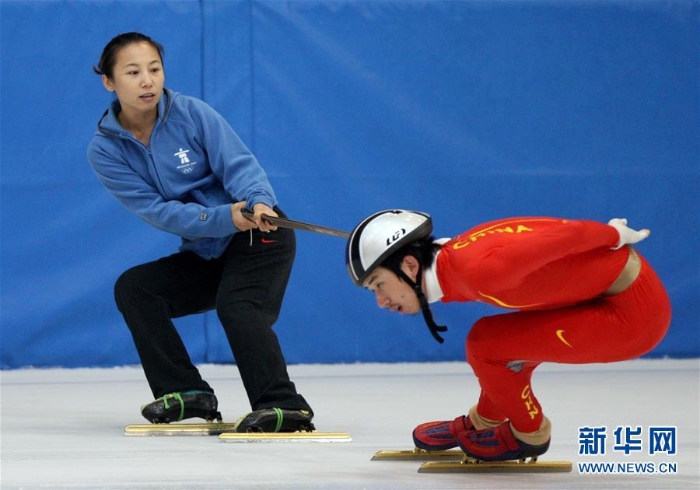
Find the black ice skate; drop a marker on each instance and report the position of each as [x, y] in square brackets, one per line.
[276, 420]
[174, 407]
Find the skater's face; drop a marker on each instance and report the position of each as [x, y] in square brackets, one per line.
[137, 78]
[391, 291]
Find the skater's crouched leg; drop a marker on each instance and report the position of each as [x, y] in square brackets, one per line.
[149, 296]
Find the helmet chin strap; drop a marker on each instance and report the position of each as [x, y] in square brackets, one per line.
[424, 306]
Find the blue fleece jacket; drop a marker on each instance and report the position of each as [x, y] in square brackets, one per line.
[185, 181]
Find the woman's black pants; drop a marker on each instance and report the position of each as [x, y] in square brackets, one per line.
[246, 286]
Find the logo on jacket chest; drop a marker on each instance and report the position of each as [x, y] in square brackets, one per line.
[185, 165]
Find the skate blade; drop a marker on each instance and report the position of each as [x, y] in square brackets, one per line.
[417, 455]
[179, 429]
[285, 437]
[468, 465]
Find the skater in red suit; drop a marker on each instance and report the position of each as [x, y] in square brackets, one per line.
[578, 291]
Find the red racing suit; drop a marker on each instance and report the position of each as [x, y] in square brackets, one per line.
[555, 273]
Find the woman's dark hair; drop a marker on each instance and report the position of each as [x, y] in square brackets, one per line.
[109, 53]
[423, 250]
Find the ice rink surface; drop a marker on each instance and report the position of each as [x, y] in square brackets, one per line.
[64, 429]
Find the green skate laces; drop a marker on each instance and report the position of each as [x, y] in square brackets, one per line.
[177, 396]
[280, 417]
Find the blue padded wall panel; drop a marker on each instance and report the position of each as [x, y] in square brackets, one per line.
[470, 110]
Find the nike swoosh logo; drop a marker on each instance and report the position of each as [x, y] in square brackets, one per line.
[267, 240]
[560, 335]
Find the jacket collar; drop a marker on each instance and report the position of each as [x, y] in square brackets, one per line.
[433, 291]
[109, 124]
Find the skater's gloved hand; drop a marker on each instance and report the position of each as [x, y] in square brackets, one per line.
[627, 234]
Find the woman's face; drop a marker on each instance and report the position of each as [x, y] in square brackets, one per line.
[138, 78]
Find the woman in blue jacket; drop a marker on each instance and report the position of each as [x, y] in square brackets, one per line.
[176, 163]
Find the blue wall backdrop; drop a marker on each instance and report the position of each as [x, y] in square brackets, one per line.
[468, 110]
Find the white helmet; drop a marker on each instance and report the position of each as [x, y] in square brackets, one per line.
[379, 236]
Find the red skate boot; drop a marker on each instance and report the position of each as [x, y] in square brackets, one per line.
[439, 436]
[498, 444]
